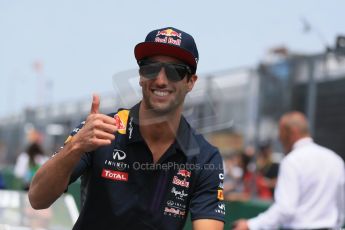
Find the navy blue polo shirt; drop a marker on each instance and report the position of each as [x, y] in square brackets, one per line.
[124, 189]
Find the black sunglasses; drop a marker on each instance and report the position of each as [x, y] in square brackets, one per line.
[175, 72]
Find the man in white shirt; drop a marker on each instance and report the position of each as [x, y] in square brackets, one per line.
[311, 183]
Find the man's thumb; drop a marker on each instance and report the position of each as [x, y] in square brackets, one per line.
[95, 104]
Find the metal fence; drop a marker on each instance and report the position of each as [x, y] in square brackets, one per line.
[246, 101]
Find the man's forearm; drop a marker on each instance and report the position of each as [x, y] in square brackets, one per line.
[208, 224]
[53, 177]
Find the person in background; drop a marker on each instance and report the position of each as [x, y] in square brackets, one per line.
[3, 153]
[28, 163]
[254, 183]
[241, 182]
[2, 182]
[266, 167]
[310, 187]
[233, 180]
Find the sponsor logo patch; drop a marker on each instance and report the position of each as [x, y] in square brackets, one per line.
[130, 128]
[179, 182]
[118, 165]
[121, 119]
[170, 37]
[175, 204]
[221, 185]
[220, 209]
[169, 33]
[220, 195]
[114, 175]
[184, 173]
[221, 206]
[175, 212]
[221, 176]
[117, 161]
[119, 154]
[179, 194]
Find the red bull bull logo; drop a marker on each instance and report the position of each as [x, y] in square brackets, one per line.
[184, 173]
[170, 37]
[121, 120]
[119, 123]
[169, 33]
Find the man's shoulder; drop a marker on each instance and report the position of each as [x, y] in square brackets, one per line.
[312, 152]
[292, 158]
[206, 151]
[322, 152]
[203, 143]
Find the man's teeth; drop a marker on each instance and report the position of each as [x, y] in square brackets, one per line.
[161, 93]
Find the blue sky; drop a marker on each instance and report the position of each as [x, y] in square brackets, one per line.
[83, 43]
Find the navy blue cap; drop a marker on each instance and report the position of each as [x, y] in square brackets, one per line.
[171, 42]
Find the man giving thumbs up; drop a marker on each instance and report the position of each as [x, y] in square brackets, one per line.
[145, 167]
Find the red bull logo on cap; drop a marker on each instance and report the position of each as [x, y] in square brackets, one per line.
[169, 33]
[169, 36]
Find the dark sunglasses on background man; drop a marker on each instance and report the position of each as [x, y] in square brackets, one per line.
[174, 71]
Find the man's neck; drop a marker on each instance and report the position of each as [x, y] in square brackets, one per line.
[156, 127]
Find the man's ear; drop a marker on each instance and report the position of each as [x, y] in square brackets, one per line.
[191, 82]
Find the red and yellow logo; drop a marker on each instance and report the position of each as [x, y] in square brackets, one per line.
[220, 195]
[169, 33]
[121, 119]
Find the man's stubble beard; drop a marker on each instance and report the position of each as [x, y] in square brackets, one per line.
[171, 107]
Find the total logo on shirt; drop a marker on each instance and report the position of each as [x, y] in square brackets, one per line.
[114, 175]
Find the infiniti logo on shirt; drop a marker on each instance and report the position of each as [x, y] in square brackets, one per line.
[119, 154]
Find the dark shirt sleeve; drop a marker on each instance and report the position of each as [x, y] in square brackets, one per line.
[207, 199]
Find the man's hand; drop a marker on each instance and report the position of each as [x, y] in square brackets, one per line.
[52, 179]
[98, 130]
[240, 225]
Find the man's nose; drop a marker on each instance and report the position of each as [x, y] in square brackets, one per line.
[161, 77]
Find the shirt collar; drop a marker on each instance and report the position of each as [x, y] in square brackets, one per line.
[302, 142]
[185, 140]
[133, 131]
